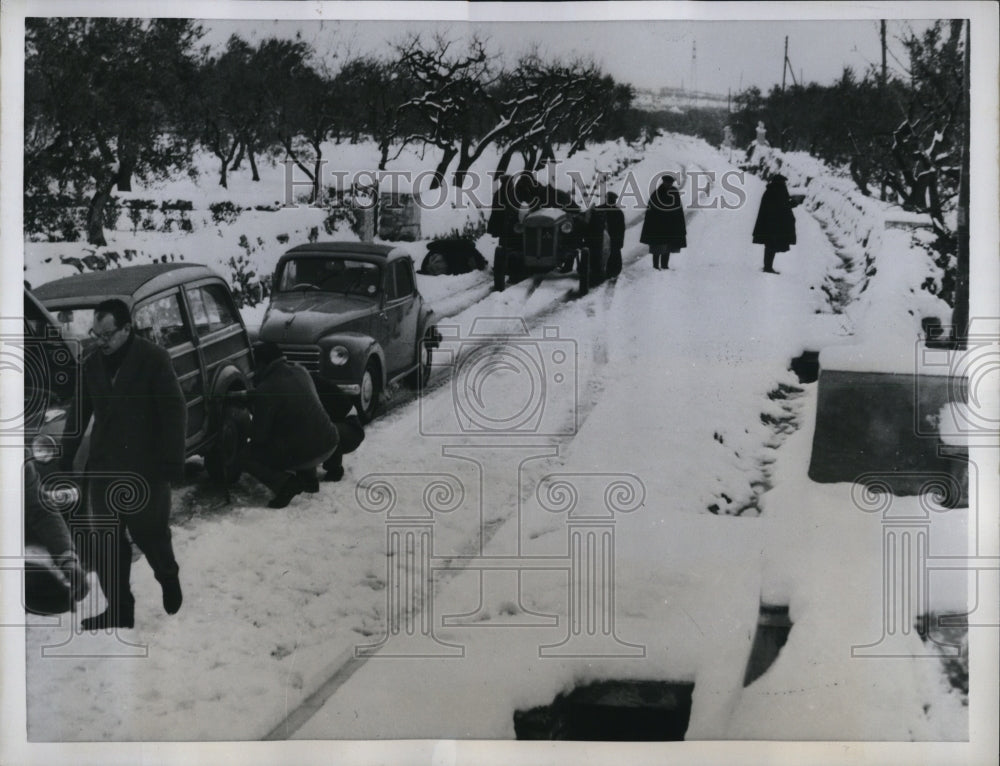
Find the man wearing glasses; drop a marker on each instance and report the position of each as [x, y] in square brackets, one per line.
[136, 450]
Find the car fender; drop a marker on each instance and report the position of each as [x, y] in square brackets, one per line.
[427, 320]
[228, 380]
[361, 347]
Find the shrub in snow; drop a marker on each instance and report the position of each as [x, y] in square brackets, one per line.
[177, 204]
[336, 217]
[471, 230]
[224, 212]
[248, 288]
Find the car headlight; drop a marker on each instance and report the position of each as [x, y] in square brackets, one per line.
[44, 448]
[566, 227]
[339, 356]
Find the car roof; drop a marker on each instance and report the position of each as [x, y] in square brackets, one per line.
[130, 283]
[364, 250]
[33, 309]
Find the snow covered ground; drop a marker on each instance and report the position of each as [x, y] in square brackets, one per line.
[676, 406]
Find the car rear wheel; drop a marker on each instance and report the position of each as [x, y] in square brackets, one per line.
[418, 378]
[367, 400]
[222, 461]
[499, 269]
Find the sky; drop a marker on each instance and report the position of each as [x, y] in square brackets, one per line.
[712, 56]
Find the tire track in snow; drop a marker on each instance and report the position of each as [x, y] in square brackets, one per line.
[346, 664]
[595, 305]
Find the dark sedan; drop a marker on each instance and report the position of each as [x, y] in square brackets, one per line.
[351, 314]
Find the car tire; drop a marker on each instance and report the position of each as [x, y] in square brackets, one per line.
[366, 402]
[499, 269]
[425, 352]
[583, 270]
[223, 460]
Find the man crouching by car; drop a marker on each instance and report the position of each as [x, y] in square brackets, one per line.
[292, 433]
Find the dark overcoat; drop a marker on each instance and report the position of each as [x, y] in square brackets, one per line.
[775, 226]
[614, 220]
[514, 190]
[664, 220]
[290, 426]
[140, 420]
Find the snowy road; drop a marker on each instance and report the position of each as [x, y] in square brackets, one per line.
[673, 383]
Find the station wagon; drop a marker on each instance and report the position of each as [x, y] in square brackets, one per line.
[189, 310]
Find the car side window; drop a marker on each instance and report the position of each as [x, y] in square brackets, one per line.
[401, 281]
[162, 322]
[210, 309]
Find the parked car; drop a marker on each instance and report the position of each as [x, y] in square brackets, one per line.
[452, 256]
[550, 238]
[189, 310]
[352, 315]
[51, 374]
[50, 366]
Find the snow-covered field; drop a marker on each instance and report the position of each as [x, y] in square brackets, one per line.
[675, 384]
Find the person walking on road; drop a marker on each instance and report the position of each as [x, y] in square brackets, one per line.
[292, 433]
[663, 227]
[136, 450]
[614, 222]
[775, 226]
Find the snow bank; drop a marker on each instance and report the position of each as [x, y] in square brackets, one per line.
[887, 269]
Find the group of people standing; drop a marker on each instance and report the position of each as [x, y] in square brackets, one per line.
[664, 229]
[665, 232]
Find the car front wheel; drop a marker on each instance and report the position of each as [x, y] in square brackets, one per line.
[223, 462]
[367, 401]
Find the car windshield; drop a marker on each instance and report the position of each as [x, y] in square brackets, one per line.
[330, 275]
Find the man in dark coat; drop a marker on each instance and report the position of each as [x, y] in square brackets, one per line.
[514, 191]
[292, 433]
[136, 450]
[498, 210]
[775, 226]
[614, 222]
[663, 227]
[593, 237]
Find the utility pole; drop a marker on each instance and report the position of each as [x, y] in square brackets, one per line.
[882, 36]
[694, 68]
[784, 65]
[882, 82]
[787, 67]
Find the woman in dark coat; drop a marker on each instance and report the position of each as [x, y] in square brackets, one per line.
[663, 228]
[775, 227]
